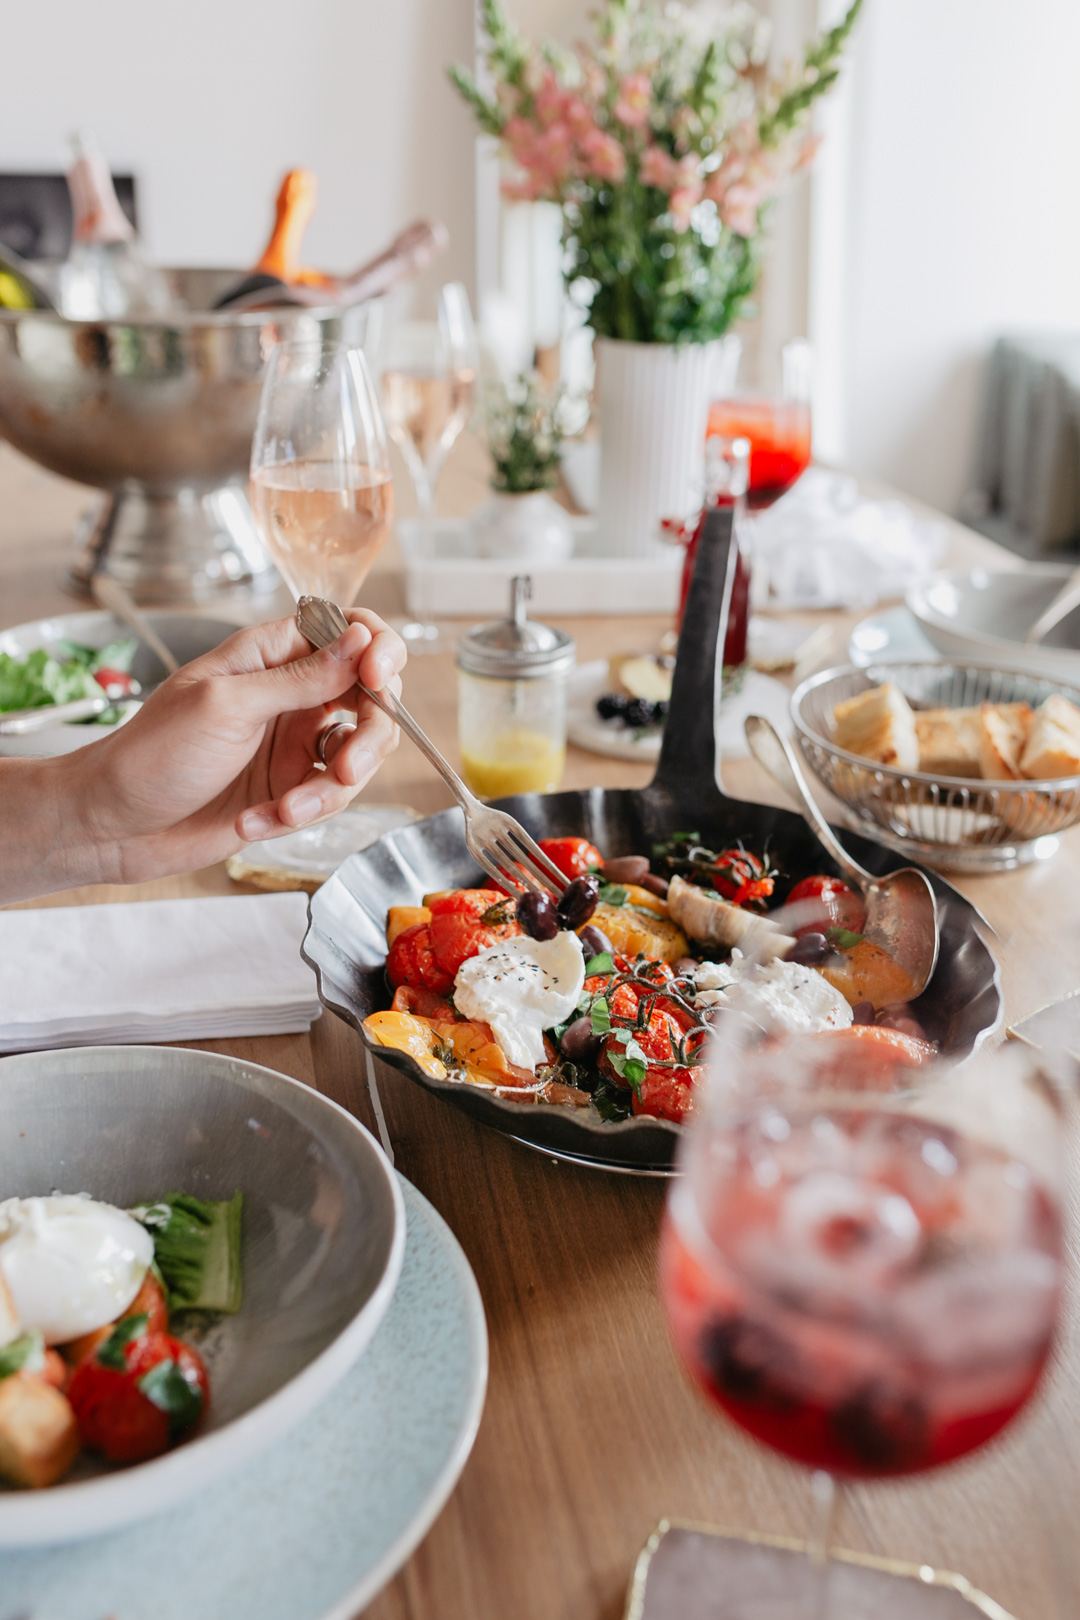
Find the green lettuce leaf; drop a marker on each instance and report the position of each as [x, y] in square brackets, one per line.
[197, 1250]
[38, 679]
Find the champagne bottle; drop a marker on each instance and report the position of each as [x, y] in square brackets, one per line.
[105, 276]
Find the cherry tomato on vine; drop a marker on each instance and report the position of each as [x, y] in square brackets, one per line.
[573, 856]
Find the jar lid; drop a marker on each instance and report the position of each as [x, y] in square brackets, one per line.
[516, 648]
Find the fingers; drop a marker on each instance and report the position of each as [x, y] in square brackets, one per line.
[352, 759]
[301, 683]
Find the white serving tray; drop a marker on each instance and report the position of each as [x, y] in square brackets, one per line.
[455, 583]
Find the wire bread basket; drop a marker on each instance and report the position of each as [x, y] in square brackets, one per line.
[956, 823]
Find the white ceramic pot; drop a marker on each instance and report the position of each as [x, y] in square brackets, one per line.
[529, 528]
[654, 404]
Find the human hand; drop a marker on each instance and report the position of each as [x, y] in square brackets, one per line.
[224, 751]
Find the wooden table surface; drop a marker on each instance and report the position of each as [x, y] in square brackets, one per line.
[591, 1432]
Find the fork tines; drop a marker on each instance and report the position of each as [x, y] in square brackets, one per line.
[515, 862]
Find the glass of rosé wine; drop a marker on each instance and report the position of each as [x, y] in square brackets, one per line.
[320, 469]
[428, 379]
[776, 424]
[861, 1265]
[323, 502]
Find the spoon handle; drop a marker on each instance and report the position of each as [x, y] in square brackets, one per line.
[1063, 603]
[771, 751]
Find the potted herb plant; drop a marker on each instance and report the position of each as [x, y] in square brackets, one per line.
[525, 422]
[664, 140]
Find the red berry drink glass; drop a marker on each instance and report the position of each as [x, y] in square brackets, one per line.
[776, 425]
[868, 1284]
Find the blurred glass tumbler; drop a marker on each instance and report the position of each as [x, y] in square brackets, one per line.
[512, 678]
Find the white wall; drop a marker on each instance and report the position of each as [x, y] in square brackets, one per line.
[959, 182]
[210, 101]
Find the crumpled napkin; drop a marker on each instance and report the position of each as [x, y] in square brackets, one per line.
[825, 545]
[154, 970]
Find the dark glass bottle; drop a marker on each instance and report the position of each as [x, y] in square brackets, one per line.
[727, 471]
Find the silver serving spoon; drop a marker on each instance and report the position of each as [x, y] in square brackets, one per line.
[1056, 609]
[901, 913]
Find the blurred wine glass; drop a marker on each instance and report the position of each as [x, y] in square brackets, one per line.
[862, 1264]
[776, 424]
[428, 378]
[320, 469]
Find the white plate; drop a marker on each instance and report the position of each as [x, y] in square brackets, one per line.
[318, 1524]
[755, 694]
[983, 614]
[889, 638]
[310, 855]
[185, 634]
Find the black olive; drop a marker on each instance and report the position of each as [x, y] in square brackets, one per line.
[626, 869]
[612, 706]
[578, 901]
[578, 1042]
[594, 941]
[862, 1012]
[655, 885]
[536, 916]
[809, 951]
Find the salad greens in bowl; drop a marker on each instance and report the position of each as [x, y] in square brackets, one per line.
[78, 655]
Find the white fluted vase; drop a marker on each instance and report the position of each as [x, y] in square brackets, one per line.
[654, 403]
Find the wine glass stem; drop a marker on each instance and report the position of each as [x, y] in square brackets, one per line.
[425, 506]
[826, 1497]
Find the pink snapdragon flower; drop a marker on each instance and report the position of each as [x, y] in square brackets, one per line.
[658, 168]
[739, 208]
[602, 156]
[632, 105]
[549, 100]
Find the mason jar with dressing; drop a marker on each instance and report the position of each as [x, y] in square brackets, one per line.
[512, 683]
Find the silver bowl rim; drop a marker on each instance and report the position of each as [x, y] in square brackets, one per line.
[1058, 784]
[33, 1518]
[188, 319]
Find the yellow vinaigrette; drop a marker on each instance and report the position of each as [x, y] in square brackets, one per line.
[515, 761]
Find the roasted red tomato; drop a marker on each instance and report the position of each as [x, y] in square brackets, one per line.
[138, 1392]
[667, 1093]
[411, 960]
[742, 878]
[422, 1003]
[573, 856]
[149, 1302]
[465, 922]
[835, 905]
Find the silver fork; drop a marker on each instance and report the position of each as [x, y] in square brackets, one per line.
[495, 840]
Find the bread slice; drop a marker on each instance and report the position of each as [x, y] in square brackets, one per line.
[948, 741]
[878, 725]
[1003, 731]
[1053, 743]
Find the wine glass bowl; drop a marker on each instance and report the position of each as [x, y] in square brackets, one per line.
[320, 475]
[777, 426]
[867, 1281]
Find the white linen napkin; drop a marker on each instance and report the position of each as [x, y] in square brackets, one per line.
[154, 970]
[826, 545]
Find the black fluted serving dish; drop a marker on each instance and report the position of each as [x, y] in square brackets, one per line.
[346, 937]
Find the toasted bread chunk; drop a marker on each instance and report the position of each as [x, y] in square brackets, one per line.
[39, 1437]
[878, 725]
[948, 741]
[1053, 743]
[9, 1321]
[1003, 731]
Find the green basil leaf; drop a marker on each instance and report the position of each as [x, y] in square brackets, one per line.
[24, 1354]
[843, 938]
[111, 1353]
[601, 1016]
[166, 1387]
[611, 1102]
[600, 963]
[613, 894]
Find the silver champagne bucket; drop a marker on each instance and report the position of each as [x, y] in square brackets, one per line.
[158, 413]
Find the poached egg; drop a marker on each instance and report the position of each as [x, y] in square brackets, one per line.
[783, 997]
[521, 987]
[70, 1263]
